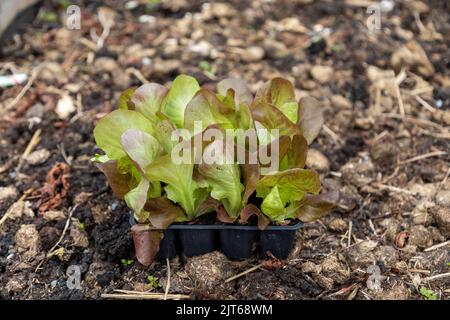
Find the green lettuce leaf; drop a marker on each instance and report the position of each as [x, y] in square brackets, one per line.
[282, 188]
[148, 99]
[182, 90]
[180, 188]
[224, 177]
[109, 130]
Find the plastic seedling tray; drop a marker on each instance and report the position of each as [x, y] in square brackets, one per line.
[235, 241]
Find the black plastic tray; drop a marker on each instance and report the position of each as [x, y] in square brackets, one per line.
[235, 241]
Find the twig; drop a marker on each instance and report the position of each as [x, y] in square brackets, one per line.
[49, 254]
[332, 134]
[166, 292]
[437, 246]
[419, 271]
[424, 156]
[34, 141]
[25, 88]
[350, 227]
[425, 104]
[244, 273]
[135, 72]
[392, 189]
[8, 212]
[400, 100]
[436, 277]
[413, 120]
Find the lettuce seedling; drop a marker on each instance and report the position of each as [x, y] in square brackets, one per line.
[256, 147]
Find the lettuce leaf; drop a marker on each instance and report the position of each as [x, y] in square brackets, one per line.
[182, 90]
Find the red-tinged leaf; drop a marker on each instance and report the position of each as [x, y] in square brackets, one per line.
[118, 181]
[162, 212]
[277, 92]
[315, 207]
[266, 150]
[251, 210]
[250, 174]
[242, 93]
[209, 205]
[146, 243]
[310, 118]
[272, 118]
[222, 216]
[148, 98]
[298, 151]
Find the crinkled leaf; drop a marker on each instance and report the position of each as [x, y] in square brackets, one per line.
[290, 110]
[162, 212]
[182, 90]
[146, 243]
[140, 146]
[292, 183]
[118, 181]
[241, 93]
[206, 109]
[315, 207]
[137, 197]
[148, 98]
[310, 118]
[125, 101]
[273, 206]
[181, 188]
[223, 177]
[250, 210]
[272, 118]
[277, 92]
[110, 128]
[296, 155]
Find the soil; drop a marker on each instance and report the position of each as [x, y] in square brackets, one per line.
[391, 170]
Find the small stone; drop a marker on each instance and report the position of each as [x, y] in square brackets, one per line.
[333, 268]
[36, 111]
[53, 215]
[420, 213]
[65, 107]
[387, 254]
[340, 102]
[222, 10]
[397, 292]
[322, 74]
[310, 267]
[362, 254]
[19, 209]
[203, 48]
[105, 64]
[443, 198]
[338, 225]
[27, 241]
[317, 161]
[50, 71]
[442, 218]
[82, 197]
[420, 237]
[253, 54]
[7, 193]
[358, 172]
[80, 238]
[38, 157]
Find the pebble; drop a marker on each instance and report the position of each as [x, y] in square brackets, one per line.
[322, 74]
[38, 157]
[317, 161]
[27, 240]
[7, 193]
[420, 236]
[19, 209]
[54, 215]
[253, 54]
[443, 198]
[65, 107]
